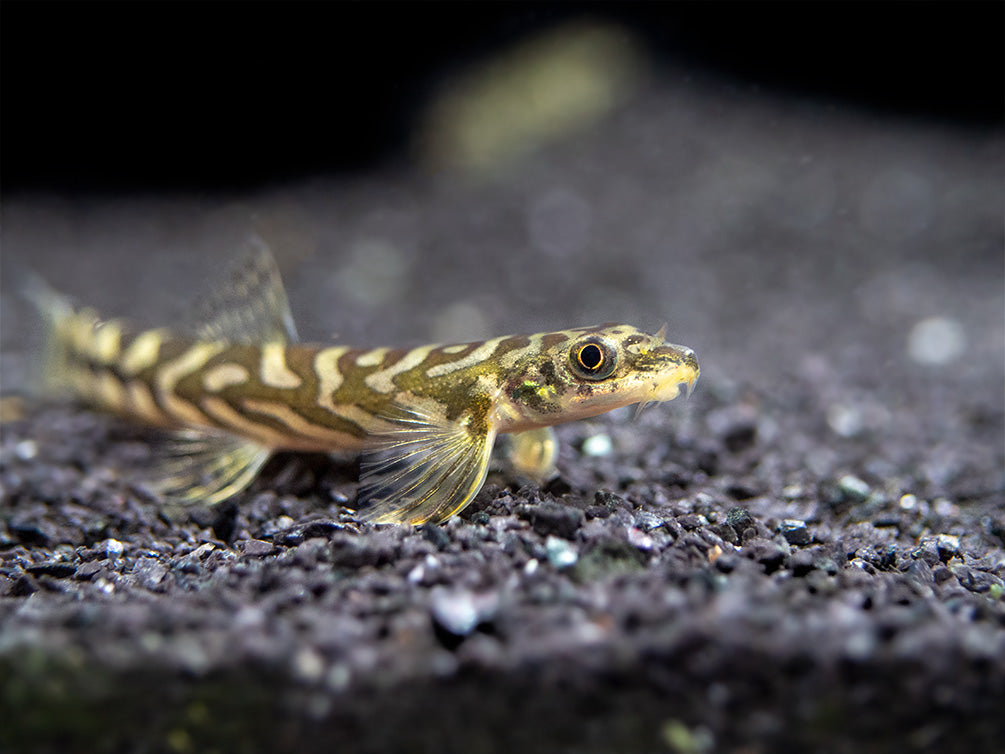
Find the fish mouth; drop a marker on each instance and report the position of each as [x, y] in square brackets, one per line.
[681, 369]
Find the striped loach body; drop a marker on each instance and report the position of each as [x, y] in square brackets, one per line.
[424, 419]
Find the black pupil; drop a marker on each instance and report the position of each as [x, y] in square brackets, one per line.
[591, 357]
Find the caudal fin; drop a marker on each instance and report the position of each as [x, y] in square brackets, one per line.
[54, 311]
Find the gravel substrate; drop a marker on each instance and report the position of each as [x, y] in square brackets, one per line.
[810, 552]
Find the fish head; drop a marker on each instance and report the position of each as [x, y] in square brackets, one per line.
[588, 371]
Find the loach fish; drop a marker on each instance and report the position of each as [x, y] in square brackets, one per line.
[423, 420]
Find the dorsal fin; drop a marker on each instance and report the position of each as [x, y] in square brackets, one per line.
[251, 307]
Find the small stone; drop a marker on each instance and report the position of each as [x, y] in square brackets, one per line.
[416, 574]
[936, 341]
[826, 564]
[726, 562]
[249, 617]
[860, 645]
[454, 611]
[308, 665]
[640, 539]
[725, 532]
[802, 562]
[945, 508]
[553, 519]
[941, 574]
[561, 553]
[256, 548]
[113, 549]
[647, 521]
[202, 551]
[927, 552]
[88, 571]
[881, 557]
[610, 501]
[948, 546]
[977, 581]
[26, 450]
[22, 586]
[740, 519]
[480, 518]
[149, 572]
[920, 573]
[55, 569]
[769, 554]
[845, 421]
[419, 571]
[436, 535]
[795, 531]
[692, 521]
[609, 556]
[908, 502]
[853, 488]
[348, 551]
[296, 535]
[458, 612]
[793, 491]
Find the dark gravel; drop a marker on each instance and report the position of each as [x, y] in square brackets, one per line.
[809, 553]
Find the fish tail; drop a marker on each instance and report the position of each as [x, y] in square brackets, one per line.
[55, 312]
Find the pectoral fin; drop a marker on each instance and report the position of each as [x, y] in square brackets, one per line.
[425, 469]
[204, 468]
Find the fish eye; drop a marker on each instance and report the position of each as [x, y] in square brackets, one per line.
[593, 359]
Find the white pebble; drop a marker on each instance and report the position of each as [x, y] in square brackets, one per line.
[846, 421]
[853, 486]
[417, 574]
[936, 341]
[113, 549]
[640, 539]
[944, 507]
[308, 665]
[455, 611]
[26, 450]
[561, 554]
[598, 445]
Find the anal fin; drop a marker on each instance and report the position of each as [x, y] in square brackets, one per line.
[207, 468]
[425, 469]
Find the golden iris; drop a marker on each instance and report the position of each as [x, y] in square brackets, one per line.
[593, 359]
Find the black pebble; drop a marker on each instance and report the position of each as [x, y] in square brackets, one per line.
[553, 518]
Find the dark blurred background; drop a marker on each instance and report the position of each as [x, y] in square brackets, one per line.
[129, 97]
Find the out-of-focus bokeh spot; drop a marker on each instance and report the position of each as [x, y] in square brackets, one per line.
[376, 272]
[560, 81]
[936, 341]
[460, 323]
